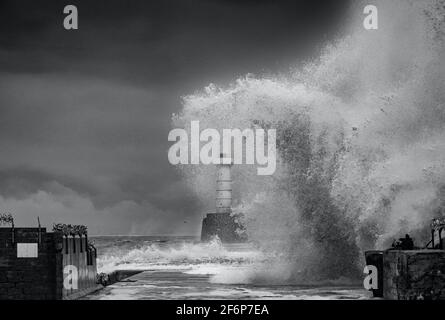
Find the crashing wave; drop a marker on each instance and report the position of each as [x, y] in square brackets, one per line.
[360, 141]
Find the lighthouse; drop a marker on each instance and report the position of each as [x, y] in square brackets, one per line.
[221, 223]
[224, 186]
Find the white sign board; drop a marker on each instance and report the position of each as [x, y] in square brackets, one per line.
[27, 250]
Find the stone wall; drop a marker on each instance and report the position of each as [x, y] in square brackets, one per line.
[414, 274]
[27, 278]
[42, 277]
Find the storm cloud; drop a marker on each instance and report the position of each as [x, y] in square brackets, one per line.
[85, 114]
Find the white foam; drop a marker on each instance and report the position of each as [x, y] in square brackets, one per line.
[186, 256]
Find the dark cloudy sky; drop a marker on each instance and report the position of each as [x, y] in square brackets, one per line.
[85, 114]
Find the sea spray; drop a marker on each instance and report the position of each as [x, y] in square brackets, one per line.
[360, 145]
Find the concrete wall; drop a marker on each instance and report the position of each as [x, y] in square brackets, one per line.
[42, 277]
[74, 252]
[414, 274]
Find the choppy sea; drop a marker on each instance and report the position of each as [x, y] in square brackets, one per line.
[185, 268]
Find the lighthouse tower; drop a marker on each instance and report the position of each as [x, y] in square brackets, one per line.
[221, 223]
[224, 187]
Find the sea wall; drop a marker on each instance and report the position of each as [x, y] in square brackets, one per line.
[28, 278]
[75, 253]
[414, 274]
[33, 261]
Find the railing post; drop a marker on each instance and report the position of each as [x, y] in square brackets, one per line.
[432, 238]
[440, 239]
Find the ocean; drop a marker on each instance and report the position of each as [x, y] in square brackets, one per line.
[185, 268]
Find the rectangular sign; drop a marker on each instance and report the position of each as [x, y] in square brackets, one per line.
[27, 250]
